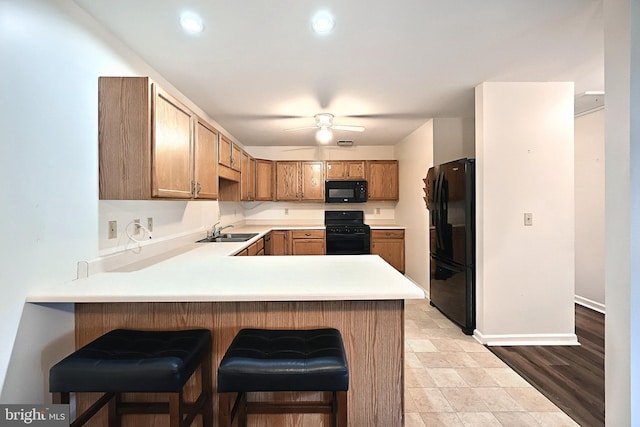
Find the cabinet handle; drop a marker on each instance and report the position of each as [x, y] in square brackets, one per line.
[307, 234]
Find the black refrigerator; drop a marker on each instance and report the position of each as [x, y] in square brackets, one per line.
[450, 197]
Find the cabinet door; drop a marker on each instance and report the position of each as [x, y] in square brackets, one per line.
[268, 248]
[312, 181]
[389, 244]
[206, 161]
[307, 247]
[382, 176]
[335, 169]
[264, 180]
[345, 169]
[224, 151]
[236, 157]
[287, 180]
[279, 242]
[252, 250]
[247, 177]
[171, 147]
[354, 170]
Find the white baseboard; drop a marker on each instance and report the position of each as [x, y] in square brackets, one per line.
[525, 339]
[593, 305]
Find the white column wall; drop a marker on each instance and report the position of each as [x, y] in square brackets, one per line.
[622, 212]
[524, 152]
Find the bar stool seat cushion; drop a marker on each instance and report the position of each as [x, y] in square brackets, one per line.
[284, 360]
[132, 361]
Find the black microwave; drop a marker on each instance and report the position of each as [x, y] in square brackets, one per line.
[345, 191]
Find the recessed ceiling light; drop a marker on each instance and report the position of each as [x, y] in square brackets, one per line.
[322, 23]
[191, 23]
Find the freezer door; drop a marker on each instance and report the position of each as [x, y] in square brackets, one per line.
[452, 292]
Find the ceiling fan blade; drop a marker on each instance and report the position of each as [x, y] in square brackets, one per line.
[349, 128]
[304, 128]
[397, 116]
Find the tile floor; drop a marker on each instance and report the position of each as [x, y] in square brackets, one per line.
[452, 380]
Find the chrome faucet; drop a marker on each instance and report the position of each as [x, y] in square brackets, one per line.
[213, 229]
[223, 228]
[215, 232]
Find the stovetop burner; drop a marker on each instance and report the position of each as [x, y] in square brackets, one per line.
[343, 218]
[346, 233]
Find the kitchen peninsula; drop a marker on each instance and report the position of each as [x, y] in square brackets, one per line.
[200, 286]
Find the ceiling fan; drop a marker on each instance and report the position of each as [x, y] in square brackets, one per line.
[324, 124]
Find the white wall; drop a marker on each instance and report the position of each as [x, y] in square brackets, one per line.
[52, 54]
[524, 152]
[454, 138]
[622, 212]
[589, 184]
[415, 156]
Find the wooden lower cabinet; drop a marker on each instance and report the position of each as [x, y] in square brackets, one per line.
[389, 244]
[295, 242]
[256, 248]
[307, 242]
[280, 242]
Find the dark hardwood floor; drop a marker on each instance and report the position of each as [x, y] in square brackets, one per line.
[572, 377]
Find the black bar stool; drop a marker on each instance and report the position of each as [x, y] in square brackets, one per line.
[270, 360]
[131, 361]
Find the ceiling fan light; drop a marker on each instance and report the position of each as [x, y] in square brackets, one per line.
[324, 135]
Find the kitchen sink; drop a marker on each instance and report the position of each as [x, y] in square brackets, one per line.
[229, 237]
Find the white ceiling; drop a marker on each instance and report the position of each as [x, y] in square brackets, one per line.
[258, 68]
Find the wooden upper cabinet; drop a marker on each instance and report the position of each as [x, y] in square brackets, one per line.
[224, 151]
[236, 157]
[170, 147]
[345, 169]
[264, 180]
[247, 177]
[312, 181]
[287, 180]
[206, 161]
[383, 181]
[146, 138]
[299, 181]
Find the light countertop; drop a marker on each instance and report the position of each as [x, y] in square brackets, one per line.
[200, 272]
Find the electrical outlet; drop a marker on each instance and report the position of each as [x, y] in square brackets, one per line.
[150, 223]
[137, 229]
[528, 219]
[377, 211]
[113, 229]
[286, 211]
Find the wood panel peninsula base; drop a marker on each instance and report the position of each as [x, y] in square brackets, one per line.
[372, 330]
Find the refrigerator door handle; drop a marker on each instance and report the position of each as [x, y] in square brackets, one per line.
[440, 206]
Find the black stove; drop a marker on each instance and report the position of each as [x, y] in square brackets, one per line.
[346, 233]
